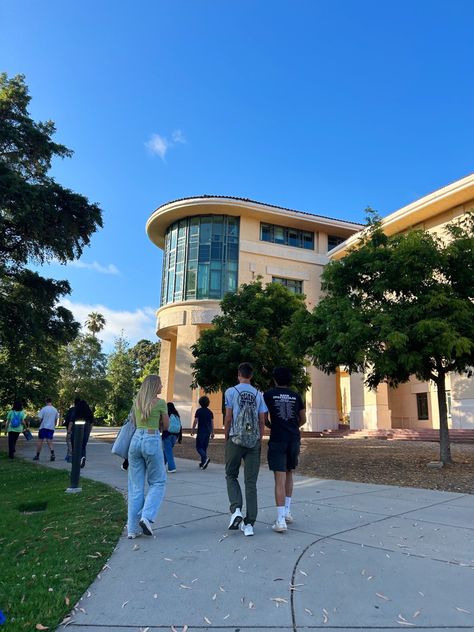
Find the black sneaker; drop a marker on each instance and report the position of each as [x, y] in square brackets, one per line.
[36, 458]
[83, 461]
[206, 463]
[52, 457]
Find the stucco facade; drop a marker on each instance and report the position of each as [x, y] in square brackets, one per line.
[180, 322]
[257, 240]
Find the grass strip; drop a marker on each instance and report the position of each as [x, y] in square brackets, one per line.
[52, 544]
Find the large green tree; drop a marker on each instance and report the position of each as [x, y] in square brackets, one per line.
[39, 220]
[146, 358]
[83, 369]
[397, 306]
[121, 378]
[250, 329]
[95, 322]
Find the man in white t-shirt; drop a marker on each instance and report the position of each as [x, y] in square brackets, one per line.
[48, 416]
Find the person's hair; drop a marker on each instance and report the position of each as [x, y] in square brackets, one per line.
[83, 411]
[76, 401]
[17, 405]
[282, 375]
[147, 395]
[48, 400]
[204, 401]
[246, 370]
[172, 409]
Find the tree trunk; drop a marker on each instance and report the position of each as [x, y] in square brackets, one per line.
[444, 443]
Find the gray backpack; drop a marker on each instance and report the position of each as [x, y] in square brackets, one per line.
[246, 426]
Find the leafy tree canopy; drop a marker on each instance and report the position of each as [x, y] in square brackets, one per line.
[120, 375]
[144, 353]
[250, 329]
[83, 372]
[95, 322]
[39, 220]
[397, 306]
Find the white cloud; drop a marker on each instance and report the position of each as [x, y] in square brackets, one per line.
[159, 145]
[97, 267]
[135, 325]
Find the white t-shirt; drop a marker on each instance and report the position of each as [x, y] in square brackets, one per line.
[49, 416]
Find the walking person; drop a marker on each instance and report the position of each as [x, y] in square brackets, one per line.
[82, 412]
[171, 436]
[48, 416]
[146, 459]
[244, 426]
[204, 421]
[16, 423]
[68, 417]
[287, 415]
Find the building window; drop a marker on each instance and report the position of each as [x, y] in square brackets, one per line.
[200, 260]
[287, 236]
[334, 240]
[293, 285]
[422, 406]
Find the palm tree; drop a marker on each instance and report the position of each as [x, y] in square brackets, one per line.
[95, 322]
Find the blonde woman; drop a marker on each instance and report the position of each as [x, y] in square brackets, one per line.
[145, 458]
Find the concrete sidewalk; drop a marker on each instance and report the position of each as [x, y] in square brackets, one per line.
[370, 557]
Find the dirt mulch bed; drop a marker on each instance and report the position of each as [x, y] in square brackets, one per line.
[381, 462]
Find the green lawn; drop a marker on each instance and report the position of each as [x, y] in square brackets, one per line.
[52, 544]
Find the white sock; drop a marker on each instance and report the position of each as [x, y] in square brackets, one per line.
[287, 504]
[281, 513]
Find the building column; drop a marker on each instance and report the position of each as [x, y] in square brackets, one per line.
[184, 397]
[462, 402]
[321, 402]
[369, 408]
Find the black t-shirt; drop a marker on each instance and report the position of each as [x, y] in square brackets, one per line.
[284, 407]
[204, 417]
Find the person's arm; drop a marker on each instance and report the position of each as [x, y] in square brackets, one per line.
[195, 423]
[212, 425]
[164, 421]
[302, 419]
[261, 420]
[23, 421]
[227, 422]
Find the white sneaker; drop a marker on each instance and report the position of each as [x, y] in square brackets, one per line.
[146, 526]
[247, 529]
[279, 526]
[289, 518]
[171, 471]
[132, 536]
[235, 519]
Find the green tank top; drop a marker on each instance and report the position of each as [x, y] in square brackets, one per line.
[153, 420]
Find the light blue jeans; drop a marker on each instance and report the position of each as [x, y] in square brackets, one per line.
[145, 458]
[168, 445]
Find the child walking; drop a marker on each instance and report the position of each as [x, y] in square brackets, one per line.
[204, 420]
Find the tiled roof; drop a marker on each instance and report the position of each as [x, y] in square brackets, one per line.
[242, 199]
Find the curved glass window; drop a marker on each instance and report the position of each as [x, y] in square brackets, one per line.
[201, 258]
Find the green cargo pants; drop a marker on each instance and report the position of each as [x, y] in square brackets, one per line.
[233, 458]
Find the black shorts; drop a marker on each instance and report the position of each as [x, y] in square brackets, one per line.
[283, 455]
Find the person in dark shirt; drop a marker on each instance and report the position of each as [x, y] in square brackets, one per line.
[204, 420]
[287, 415]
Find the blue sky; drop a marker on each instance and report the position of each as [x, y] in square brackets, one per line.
[322, 106]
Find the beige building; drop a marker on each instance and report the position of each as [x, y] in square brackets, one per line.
[213, 244]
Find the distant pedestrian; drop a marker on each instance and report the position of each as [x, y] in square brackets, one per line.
[48, 416]
[16, 423]
[82, 412]
[204, 421]
[145, 457]
[244, 426]
[68, 417]
[287, 414]
[171, 436]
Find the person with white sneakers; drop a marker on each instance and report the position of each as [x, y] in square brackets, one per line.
[244, 425]
[287, 415]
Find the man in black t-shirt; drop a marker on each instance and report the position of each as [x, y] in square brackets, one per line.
[287, 414]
